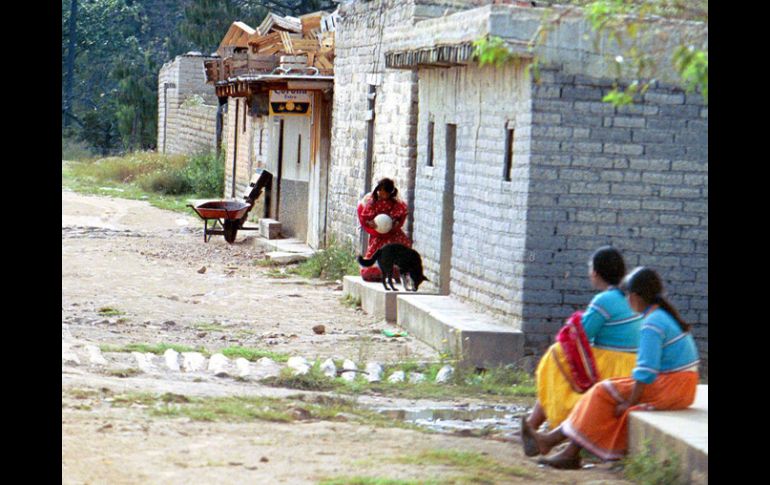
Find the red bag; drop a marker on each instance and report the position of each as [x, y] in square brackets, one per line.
[578, 353]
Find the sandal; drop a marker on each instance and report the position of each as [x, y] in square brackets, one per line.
[561, 463]
[530, 445]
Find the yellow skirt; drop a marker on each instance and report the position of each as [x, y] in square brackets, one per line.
[555, 391]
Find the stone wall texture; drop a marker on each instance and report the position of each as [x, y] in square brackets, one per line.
[360, 48]
[635, 177]
[187, 108]
[489, 228]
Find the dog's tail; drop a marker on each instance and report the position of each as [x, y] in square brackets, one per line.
[368, 262]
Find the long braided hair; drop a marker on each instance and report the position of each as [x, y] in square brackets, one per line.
[646, 283]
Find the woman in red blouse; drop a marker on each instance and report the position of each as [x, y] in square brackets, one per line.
[382, 200]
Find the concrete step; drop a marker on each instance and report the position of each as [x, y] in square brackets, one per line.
[454, 327]
[374, 299]
[683, 432]
[285, 251]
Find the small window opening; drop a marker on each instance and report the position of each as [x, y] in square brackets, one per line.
[508, 165]
[430, 143]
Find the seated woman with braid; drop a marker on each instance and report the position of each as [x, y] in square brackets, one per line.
[611, 337]
[665, 378]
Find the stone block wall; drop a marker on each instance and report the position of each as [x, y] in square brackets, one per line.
[360, 46]
[489, 214]
[635, 177]
[187, 108]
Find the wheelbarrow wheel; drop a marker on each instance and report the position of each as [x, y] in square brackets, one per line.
[231, 229]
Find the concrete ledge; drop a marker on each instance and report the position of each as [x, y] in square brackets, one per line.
[269, 228]
[294, 246]
[682, 432]
[449, 325]
[374, 299]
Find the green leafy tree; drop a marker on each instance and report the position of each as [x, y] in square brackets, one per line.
[632, 26]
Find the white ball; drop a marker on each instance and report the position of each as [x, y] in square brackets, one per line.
[384, 223]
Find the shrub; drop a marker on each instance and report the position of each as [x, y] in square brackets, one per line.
[169, 182]
[205, 174]
[332, 264]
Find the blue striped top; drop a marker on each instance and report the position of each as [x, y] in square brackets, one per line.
[663, 347]
[610, 323]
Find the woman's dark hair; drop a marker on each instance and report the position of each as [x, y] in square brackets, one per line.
[647, 284]
[608, 263]
[388, 185]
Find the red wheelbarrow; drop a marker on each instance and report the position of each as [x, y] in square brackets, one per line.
[230, 215]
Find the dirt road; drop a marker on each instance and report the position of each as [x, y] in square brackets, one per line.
[134, 274]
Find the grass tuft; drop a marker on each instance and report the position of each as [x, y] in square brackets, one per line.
[645, 468]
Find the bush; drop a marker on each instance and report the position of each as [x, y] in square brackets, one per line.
[205, 174]
[170, 182]
[331, 264]
[72, 149]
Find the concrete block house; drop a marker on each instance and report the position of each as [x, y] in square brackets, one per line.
[513, 182]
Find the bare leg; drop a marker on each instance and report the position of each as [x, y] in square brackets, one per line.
[568, 458]
[537, 417]
[546, 441]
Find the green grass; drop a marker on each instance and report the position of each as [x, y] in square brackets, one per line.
[645, 468]
[130, 372]
[351, 301]
[330, 264]
[109, 312]
[253, 355]
[165, 181]
[480, 468]
[501, 383]
[232, 352]
[255, 408]
[157, 349]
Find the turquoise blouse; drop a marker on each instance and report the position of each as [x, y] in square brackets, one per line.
[610, 323]
[663, 347]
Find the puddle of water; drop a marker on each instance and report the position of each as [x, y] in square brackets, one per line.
[501, 421]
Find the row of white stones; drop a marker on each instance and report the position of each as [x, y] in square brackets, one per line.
[219, 365]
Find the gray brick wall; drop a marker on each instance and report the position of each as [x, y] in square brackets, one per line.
[360, 46]
[488, 243]
[187, 111]
[635, 177]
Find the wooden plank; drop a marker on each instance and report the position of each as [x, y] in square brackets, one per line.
[287, 43]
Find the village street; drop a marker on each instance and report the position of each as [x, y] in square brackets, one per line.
[134, 274]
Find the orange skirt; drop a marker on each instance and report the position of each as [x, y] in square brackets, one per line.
[592, 422]
[557, 393]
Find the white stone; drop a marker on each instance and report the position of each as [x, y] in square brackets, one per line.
[299, 365]
[171, 358]
[243, 366]
[144, 363]
[415, 377]
[374, 372]
[68, 355]
[329, 369]
[218, 365]
[444, 374]
[397, 376]
[95, 355]
[193, 361]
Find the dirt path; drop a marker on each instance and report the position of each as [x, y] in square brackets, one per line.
[146, 264]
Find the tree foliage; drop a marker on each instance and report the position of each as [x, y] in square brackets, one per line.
[119, 48]
[633, 27]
